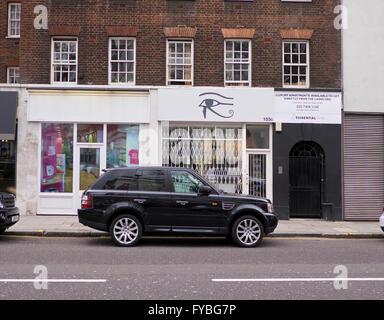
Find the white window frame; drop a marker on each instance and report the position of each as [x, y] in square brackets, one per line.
[234, 83]
[132, 83]
[183, 64]
[306, 65]
[13, 73]
[17, 7]
[53, 64]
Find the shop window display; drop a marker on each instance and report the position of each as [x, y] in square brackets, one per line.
[90, 133]
[214, 152]
[122, 146]
[56, 158]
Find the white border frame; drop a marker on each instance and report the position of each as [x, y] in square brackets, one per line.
[237, 84]
[191, 40]
[269, 160]
[10, 4]
[307, 85]
[8, 75]
[130, 84]
[68, 83]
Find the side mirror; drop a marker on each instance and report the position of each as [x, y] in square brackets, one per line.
[204, 190]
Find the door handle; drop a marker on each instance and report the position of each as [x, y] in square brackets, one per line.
[139, 200]
[181, 202]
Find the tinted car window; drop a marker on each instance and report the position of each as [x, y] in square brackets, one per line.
[117, 180]
[152, 180]
[185, 182]
[120, 183]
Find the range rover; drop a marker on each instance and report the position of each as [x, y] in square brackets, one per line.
[130, 202]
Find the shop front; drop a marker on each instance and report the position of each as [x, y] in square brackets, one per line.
[99, 130]
[307, 154]
[223, 134]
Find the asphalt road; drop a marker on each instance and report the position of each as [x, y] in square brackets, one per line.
[195, 269]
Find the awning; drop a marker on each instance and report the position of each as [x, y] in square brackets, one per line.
[8, 105]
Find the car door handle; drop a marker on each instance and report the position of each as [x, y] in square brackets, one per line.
[139, 200]
[181, 202]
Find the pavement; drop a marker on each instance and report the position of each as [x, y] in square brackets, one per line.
[69, 226]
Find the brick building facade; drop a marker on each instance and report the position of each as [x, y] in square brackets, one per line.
[107, 83]
[89, 21]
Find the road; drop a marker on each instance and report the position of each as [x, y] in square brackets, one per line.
[195, 269]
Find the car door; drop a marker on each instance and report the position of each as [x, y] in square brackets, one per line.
[191, 211]
[154, 196]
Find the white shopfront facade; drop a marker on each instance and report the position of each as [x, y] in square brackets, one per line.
[80, 133]
[224, 134]
[69, 135]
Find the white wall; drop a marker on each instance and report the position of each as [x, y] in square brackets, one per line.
[363, 56]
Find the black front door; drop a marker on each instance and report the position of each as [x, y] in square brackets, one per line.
[305, 177]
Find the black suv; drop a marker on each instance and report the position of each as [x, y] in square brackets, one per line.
[9, 214]
[129, 202]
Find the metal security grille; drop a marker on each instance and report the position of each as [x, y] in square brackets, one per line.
[363, 166]
[257, 175]
[213, 152]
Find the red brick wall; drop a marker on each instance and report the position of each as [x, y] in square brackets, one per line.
[267, 17]
[9, 47]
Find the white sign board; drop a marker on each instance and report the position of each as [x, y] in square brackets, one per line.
[210, 104]
[308, 107]
[88, 106]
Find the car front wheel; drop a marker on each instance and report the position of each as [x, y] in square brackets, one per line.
[126, 230]
[247, 231]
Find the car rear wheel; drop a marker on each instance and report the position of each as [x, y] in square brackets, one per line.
[126, 230]
[2, 230]
[247, 231]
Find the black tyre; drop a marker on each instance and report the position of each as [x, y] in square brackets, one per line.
[2, 230]
[126, 230]
[247, 231]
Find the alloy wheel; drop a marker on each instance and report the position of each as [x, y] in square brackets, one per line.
[126, 230]
[247, 231]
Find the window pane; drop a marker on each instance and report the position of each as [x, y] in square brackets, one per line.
[130, 55]
[122, 44]
[122, 55]
[122, 145]
[152, 180]
[185, 182]
[90, 133]
[130, 44]
[56, 158]
[258, 137]
[89, 167]
[127, 180]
